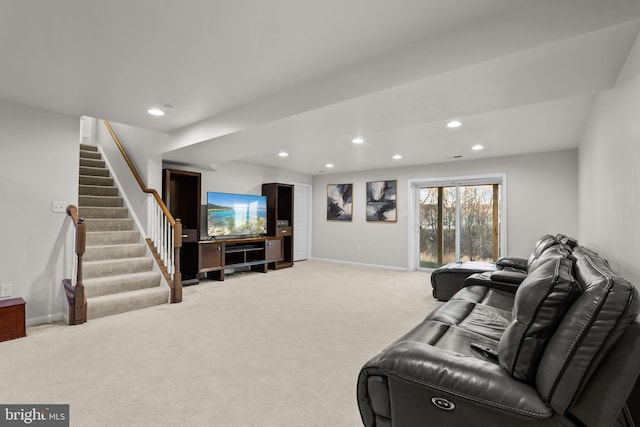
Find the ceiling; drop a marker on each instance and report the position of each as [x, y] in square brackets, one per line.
[251, 78]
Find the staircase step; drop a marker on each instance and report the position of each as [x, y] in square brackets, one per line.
[87, 170]
[94, 201]
[127, 301]
[118, 274]
[100, 286]
[95, 180]
[92, 163]
[97, 190]
[102, 212]
[96, 238]
[85, 154]
[104, 252]
[88, 147]
[115, 267]
[115, 224]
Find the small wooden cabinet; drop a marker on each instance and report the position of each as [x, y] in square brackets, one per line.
[211, 256]
[280, 219]
[273, 250]
[12, 319]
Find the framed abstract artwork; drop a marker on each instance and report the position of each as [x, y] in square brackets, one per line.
[339, 202]
[381, 201]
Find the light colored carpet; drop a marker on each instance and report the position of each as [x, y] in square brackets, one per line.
[276, 349]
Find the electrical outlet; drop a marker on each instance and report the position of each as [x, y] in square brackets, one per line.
[5, 290]
[58, 206]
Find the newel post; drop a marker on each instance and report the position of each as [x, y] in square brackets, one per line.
[177, 275]
[80, 301]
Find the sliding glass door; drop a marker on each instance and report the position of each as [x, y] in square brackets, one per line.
[458, 222]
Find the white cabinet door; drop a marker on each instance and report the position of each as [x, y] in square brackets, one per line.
[302, 223]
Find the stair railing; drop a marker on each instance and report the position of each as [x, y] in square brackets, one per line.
[165, 232]
[75, 292]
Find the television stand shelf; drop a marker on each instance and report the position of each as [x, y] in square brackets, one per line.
[214, 256]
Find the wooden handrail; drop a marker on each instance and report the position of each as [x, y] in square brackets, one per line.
[176, 225]
[137, 176]
[72, 211]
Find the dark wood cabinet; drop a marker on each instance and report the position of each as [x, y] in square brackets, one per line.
[280, 219]
[181, 194]
[211, 256]
[12, 319]
[273, 249]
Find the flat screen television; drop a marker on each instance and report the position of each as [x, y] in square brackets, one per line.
[236, 215]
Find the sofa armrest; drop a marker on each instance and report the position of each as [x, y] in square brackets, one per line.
[513, 263]
[476, 380]
[507, 276]
[486, 279]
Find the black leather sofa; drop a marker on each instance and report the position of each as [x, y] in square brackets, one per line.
[510, 272]
[506, 273]
[560, 349]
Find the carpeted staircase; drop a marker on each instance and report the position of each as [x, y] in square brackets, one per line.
[118, 274]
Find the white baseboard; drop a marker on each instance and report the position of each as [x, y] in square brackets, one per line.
[43, 319]
[360, 264]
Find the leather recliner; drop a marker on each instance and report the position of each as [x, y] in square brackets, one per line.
[512, 271]
[562, 350]
[506, 273]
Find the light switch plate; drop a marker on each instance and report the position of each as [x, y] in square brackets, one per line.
[58, 206]
[5, 290]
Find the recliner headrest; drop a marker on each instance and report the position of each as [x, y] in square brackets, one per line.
[566, 240]
[541, 301]
[541, 245]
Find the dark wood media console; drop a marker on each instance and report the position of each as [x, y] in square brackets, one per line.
[256, 252]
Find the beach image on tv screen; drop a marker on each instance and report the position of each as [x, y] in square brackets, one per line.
[236, 214]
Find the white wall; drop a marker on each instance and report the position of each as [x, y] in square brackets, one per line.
[38, 164]
[541, 198]
[240, 177]
[610, 174]
[143, 147]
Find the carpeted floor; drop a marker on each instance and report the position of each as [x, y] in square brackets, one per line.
[276, 349]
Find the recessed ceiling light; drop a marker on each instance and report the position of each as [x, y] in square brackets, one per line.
[357, 140]
[168, 107]
[328, 165]
[283, 154]
[155, 112]
[397, 157]
[454, 124]
[477, 147]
